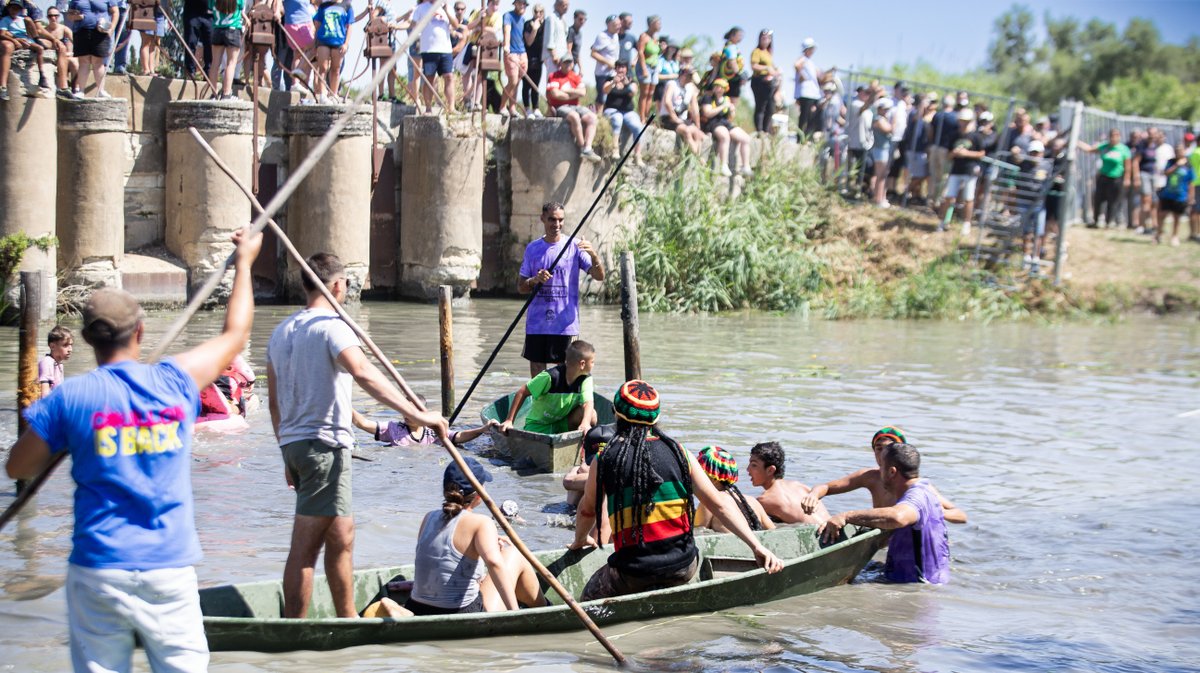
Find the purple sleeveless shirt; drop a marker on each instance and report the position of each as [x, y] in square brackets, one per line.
[920, 552]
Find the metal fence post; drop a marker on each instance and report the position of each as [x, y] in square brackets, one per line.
[1067, 202]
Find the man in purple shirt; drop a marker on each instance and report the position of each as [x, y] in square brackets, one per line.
[553, 319]
[919, 549]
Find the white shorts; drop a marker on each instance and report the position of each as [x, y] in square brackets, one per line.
[961, 183]
[105, 608]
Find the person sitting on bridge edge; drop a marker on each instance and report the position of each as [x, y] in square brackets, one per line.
[872, 480]
[919, 548]
[553, 318]
[649, 482]
[780, 498]
[722, 470]
[562, 395]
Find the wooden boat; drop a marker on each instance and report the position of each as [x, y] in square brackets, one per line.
[247, 616]
[547, 453]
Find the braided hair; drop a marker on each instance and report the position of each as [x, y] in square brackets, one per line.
[631, 441]
[747, 511]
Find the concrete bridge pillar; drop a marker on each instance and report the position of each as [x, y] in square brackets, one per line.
[28, 167]
[91, 189]
[441, 196]
[331, 210]
[204, 206]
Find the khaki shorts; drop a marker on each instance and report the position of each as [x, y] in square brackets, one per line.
[321, 475]
[608, 582]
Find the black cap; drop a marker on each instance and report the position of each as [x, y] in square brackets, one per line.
[455, 477]
[597, 438]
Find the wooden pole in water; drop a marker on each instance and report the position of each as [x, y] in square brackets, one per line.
[629, 318]
[498, 515]
[446, 329]
[28, 390]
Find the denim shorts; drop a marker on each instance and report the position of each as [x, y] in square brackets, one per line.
[434, 64]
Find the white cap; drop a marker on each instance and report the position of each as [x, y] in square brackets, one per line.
[829, 86]
[883, 103]
[986, 116]
[966, 115]
[1036, 146]
[808, 43]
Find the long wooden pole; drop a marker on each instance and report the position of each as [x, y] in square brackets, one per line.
[446, 346]
[629, 318]
[416, 401]
[285, 192]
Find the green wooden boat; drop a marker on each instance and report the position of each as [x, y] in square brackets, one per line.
[548, 453]
[247, 616]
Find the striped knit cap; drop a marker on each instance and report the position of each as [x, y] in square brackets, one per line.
[637, 402]
[893, 433]
[718, 464]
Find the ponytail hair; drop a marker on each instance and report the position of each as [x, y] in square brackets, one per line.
[454, 501]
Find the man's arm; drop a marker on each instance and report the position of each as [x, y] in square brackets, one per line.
[205, 362]
[850, 482]
[600, 58]
[28, 457]
[518, 400]
[884, 518]
[526, 285]
[585, 515]
[731, 516]
[950, 511]
[370, 379]
[597, 270]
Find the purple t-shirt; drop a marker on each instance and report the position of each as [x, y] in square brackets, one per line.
[555, 308]
[397, 433]
[128, 427]
[920, 552]
[50, 371]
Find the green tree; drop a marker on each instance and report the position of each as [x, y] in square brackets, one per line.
[1014, 45]
[1151, 94]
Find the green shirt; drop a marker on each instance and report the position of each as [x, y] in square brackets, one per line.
[233, 20]
[1113, 158]
[554, 399]
[1194, 160]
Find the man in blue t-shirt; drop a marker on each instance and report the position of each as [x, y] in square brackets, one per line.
[553, 318]
[128, 428]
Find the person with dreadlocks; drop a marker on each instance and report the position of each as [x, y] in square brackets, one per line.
[872, 480]
[722, 470]
[780, 497]
[649, 481]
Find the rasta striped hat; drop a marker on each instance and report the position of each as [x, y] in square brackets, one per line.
[718, 464]
[889, 432]
[637, 402]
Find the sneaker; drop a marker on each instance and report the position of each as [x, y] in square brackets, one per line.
[120, 71]
[537, 114]
[966, 229]
[1174, 241]
[1139, 230]
[883, 204]
[725, 171]
[77, 94]
[65, 94]
[3, 93]
[746, 171]
[103, 94]
[637, 159]
[590, 155]
[38, 93]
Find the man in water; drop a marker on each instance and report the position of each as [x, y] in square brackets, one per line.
[650, 481]
[128, 427]
[552, 322]
[312, 358]
[919, 549]
[780, 498]
[872, 480]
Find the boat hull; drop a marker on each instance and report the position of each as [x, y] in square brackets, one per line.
[246, 617]
[545, 453]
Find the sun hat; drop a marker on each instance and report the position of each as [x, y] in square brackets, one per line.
[718, 464]
[637, 402]
[110, 316]
[454, 475]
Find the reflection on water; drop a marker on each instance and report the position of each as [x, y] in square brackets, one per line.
[1065, 444]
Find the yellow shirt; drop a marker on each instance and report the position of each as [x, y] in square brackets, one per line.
[762, 57]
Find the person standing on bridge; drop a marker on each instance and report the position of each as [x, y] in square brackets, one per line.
[128, 427]
[312, 358]
[553, 319]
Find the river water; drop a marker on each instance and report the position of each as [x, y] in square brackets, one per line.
[1070, 446]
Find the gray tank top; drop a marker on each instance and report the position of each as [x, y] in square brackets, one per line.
[444, 578]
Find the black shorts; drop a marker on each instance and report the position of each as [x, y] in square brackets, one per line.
[712, 124]
[91, 42]
[548, 348]
[227, 37]
[735, 87]
[1172, 206]
[669, 125]
[420, 609]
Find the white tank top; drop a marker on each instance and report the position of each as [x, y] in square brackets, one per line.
[807, 87]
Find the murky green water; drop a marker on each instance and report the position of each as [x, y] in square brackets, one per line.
[1069, 446]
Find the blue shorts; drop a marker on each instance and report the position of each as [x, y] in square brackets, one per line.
[434, 64]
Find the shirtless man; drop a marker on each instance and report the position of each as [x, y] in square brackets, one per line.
[870, 479]
[780, 498]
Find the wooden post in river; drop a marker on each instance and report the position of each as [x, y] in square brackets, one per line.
[629, 318]
[28, 389]
[446, 328]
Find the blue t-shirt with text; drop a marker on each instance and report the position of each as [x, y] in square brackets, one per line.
[128, 427]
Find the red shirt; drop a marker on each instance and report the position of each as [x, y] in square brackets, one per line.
[559, 80]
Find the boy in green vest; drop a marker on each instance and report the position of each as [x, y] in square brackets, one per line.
[562, 395]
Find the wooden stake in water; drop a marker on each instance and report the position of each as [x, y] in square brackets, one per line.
[629, 318]
[446, 329]
[28, 389]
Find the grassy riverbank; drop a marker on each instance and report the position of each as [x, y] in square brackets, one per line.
[786, 243]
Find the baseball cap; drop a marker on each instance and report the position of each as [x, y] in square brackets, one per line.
[454, 476]
[829, 86]
[566, 58]
[596, 439]
[986, 116]
[966, 115]
[110, 316]
[1189, 136]
[808, 43]
[883, 103]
